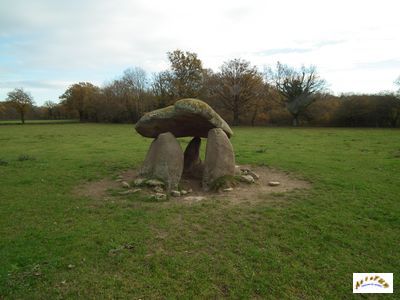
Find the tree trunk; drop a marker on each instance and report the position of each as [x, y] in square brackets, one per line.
[254, 116]
[22, 117]
[80, 115]
[235, 117]
[295, 120]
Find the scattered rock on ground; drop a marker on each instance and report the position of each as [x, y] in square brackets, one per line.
[194, 198]
[247, 178]
[154, 182]
[183, 192]
[175, 193]
[160, 196]
[129, 191]
[158, 189]
[274, 183]
[139, 181]
[125, 184]
[228, 189]
[254, 175]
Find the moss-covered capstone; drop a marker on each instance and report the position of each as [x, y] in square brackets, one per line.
[187, 117]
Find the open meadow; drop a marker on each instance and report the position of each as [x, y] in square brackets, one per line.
[303, 244]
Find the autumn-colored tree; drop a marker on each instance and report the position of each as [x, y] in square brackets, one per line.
[186, 74]
[22, 101]
[79, 97]
[50, 107]
[238, 86]
[297, 87]
[2, 108]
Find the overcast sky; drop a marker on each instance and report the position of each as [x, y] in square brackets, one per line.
[46, 45]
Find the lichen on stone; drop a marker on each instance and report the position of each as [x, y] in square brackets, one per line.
[187, 117]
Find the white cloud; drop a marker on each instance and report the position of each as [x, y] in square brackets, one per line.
[95, 40]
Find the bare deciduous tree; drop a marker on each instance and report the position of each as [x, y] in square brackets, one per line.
[50, 108]
[162, 88]
[297, 87]
[135, 83]
[238, 85]
[22, 101]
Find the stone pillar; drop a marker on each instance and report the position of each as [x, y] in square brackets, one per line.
[192, 166]
[164, 160]
[220, 158]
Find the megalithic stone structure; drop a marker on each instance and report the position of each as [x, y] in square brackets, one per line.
[187, 117]
[164, 160]
[220, 158]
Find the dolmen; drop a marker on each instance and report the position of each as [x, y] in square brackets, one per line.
[165, 159]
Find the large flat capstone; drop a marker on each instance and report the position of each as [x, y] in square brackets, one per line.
[187, 117]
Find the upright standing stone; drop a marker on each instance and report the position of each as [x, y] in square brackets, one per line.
[164, 160]
[192, 166]
[220, 159]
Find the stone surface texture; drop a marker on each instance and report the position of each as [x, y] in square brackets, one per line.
[220, 158]
[187, 117]
[164, 160]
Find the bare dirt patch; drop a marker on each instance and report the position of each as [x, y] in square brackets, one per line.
[243, 192]
[101, 188]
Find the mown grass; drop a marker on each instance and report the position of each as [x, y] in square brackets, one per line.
[304, 244]
[37, 122]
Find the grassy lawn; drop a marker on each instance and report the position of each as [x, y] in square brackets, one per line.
[18, 122]
[304, 244]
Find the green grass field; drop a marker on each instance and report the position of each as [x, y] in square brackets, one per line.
[302, 245]
[37, 122]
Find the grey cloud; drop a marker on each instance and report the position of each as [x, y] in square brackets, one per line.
[382, 64]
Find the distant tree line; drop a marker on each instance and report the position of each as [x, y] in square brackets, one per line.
[238, 91]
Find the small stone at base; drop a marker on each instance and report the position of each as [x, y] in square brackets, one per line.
[129, 191]
[228, 189]
[194, 198]
[125, 184]
[158, 189]
[274, 183]
[154, 182]
[247, 178]
[175, 193]
[160, 196]
[254, 175]
[138, 181]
